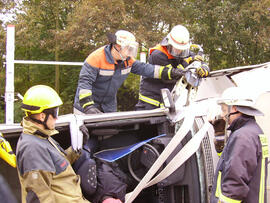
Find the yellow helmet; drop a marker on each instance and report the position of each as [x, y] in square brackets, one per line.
[40, 97]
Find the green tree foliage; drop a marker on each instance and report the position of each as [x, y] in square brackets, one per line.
[233, 33]
[37, 38]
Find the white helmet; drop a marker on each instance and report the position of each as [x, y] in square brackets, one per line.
[179, 40]
[242, 98]
[124, 37]
[127, 41]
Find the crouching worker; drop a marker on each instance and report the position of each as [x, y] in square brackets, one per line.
[101, 181]
[44, 168]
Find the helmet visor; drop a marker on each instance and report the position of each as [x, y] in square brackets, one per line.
[53, 111]
[178, 53]
[130, 50]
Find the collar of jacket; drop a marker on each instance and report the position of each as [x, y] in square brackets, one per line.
[108, 54]
[30, 128]
[163, 49]
[240, 122]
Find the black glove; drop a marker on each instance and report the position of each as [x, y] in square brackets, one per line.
[170, 73]
[203, 70]
[219, 140]
[219, 126]
[85, 133]
[176, 73]
[91, 110]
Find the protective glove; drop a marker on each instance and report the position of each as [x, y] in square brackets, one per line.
[111, 200]
[194, 58]
[177, 73]
[6, 152]
[203, 70]
[86, 102]
[169, 73]
[197, 58]
[85, 133]
[91, 109]
[219, 140]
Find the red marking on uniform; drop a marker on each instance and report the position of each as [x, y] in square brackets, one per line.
[63, 164]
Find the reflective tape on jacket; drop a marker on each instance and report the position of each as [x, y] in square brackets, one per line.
[265, 154]
[223, 198]
[150, 100]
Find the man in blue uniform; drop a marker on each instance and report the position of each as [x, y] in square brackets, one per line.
[242, 169]
[105, 70]
[175, 50]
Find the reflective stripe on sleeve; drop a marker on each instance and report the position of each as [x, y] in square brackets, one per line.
[169, 74]
[160, 71]
[149, 100]
[88, 104]
[84, 93]
[156, 71]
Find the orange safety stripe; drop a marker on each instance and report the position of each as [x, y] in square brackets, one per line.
[177, 41]
[97, 59]
[163, 49]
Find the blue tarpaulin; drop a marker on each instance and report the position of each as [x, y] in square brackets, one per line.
[111, 155]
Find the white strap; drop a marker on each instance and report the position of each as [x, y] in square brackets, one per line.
[184, 154]
[181, 133]
[76, 134]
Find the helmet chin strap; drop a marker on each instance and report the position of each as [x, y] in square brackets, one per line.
[236, 112]
[227, 121]
[44, 123]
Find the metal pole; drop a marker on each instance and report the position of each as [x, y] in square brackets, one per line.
[143, 57]
[9, 94]
[62, 63]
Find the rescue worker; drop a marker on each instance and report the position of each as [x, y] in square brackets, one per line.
[175, 50]
[105, 70]
[44, 168]
[241, 172]
[7, 155]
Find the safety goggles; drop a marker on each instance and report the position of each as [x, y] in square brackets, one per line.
[53, 111]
